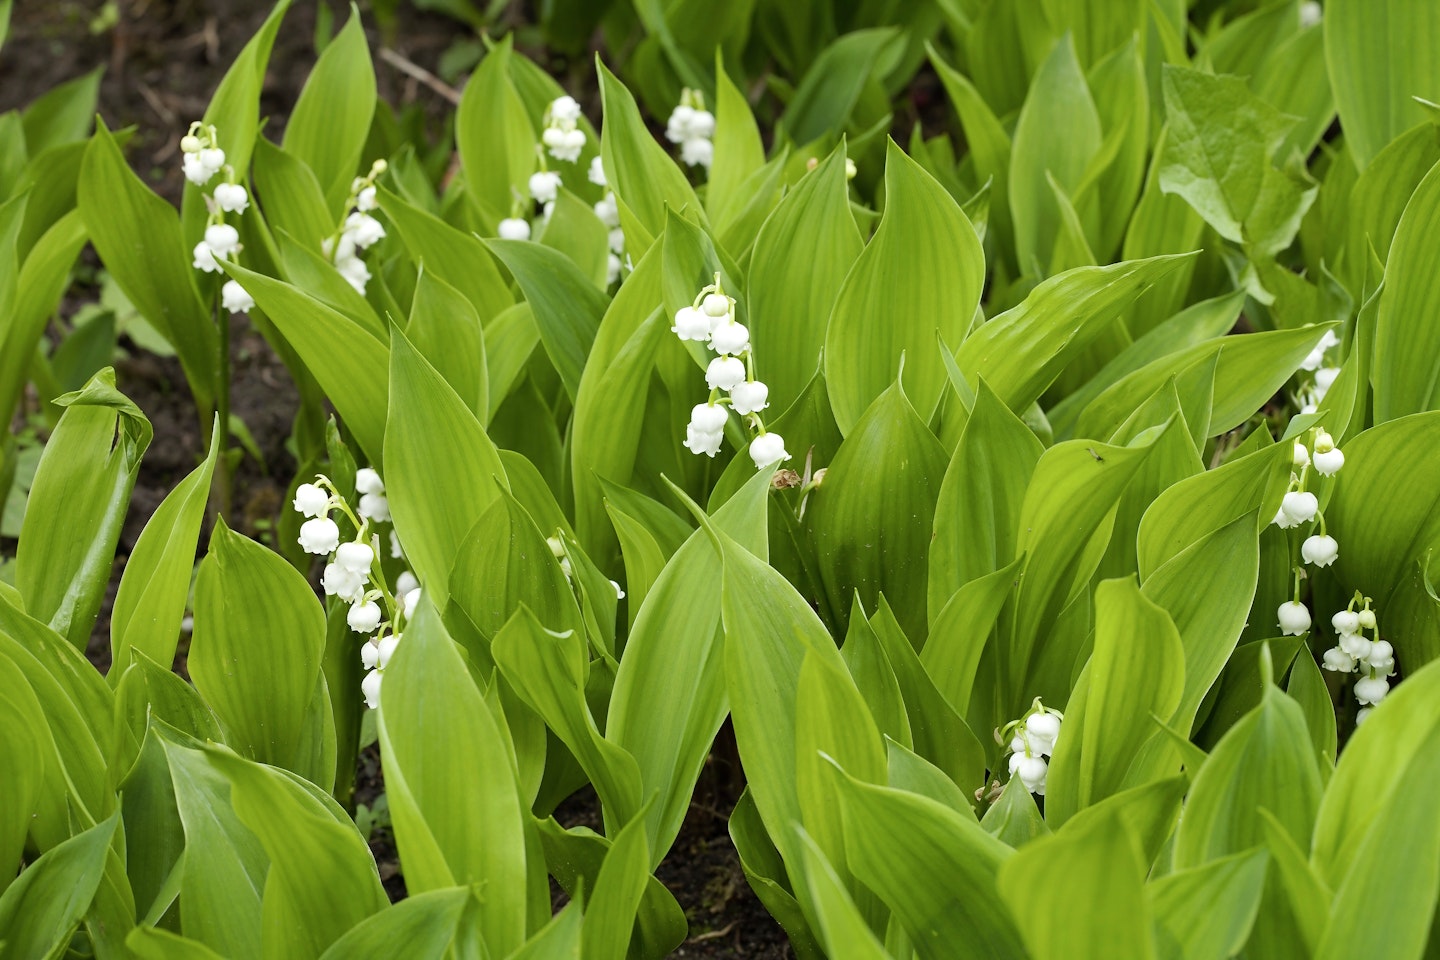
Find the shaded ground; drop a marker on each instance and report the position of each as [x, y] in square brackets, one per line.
[162, 61]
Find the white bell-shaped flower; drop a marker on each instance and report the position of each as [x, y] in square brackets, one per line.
[1367, 619]
[768, 449]
[319, 536]
[691, 324]
[544, 185]
[1325, 379]
[716, 306]
[596, 173]
[204, 258]
[1042, 729]
[364, 229]
[234, 298]
[341, 582]
[410, 601]
[222, 239]
[616, 239]
[1328, 462]
[731, 339]
[1300, 506]
[1357, 645]
[354, 271]
[697, 152]
[406, 582]
[565, 109]
[608, 210]
[1382, 654]
[369, 655]
[708, 417]
[213, 159]
[723, 373]
[702, 124]
[387, 646]
[370, 688]
[1294, 617]
[1032, 772]
[677, 128]
[355, 557]
[1371, 690]
[1320, 550]
[365, 200]
[374, 506]
[1345, 621]
[1337, 661]
[513, 228]
[364, 617]
[367, 480]
[612, 268]
[311, 500]
[1301, 457]
[232, 198]
[752, 396]
[195, 171]
[707, 442]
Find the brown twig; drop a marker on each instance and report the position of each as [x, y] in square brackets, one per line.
[417, 72]
[713, 934]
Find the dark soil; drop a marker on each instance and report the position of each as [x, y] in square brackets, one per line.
[162, 61]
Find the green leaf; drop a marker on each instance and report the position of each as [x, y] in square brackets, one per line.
[22, 765]
[840, 923]
[444, 327]
[1020, 352]
[291, 197]
[331, 120]
[1218, 155]
[156, 581]
[494, 137]
[458, 258]
[420, 926]
[923, 269]
[872, 527]
[62, 114]
[1056, 136]
[42, 908]
[1100, 911]
[610, 914]
[934, 868]
[738, 150]
[77, 505]
[156, 943]
[1406, 369]
[831, 88]
[566, 305]
[573, 229]
[429, 423]
[1205, 913]
[454, 822]
[353, 378]
[138, 237]
[791, 298]
[1014, 819]
[255, 657]
[1380, 56]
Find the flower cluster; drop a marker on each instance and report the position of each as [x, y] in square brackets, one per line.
[1311, 393]
[1300, 506]
[608, 210]
[710, 319]
[202, 160]
[356, 230]
[353, 574]
[1033, 741]
[563, 137]
[1353, 652]
[691, 126]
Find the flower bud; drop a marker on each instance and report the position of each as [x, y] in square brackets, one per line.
[1301, 457]
[1320, 549]
[370, 687]
[234, 298]
[513, 228]
[767, 449]
[311, 500]
[364, 617]
[691, 324]
[715, 305]
[724, 373]
[319, 536]
[190, 144]
[556, 545]
[1367, 618]
[1294, 617]
[752, 396]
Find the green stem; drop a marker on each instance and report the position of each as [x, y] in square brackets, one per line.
[222, 410]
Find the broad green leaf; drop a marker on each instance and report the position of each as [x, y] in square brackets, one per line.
[1218, 156]
[1381, 54]
[494, 137]
[444, 328]
[138, 237]
[830, 90]
[766, 875]
[331, 119]
[291, 197]
[62, 114]
[935, 868]
[557, 940]
[77, 505]
[1014, 819]
[924, 270]
[1294, 78]
[353, 377]
[313, 273]
[1117, 83]
[255, 656]
[429, 423]
[42, 908]
[420, 926]
[456, 257]
[322, 878]
[22, 765]
[962, 630]
[610, 913]
[1100, 910]
[1056, 136]
[1205, 913]
[454, 822]
[875, 679]
[1020, 352]
[738, 150]
[1380, 195]
[156, 581]
[574, 230]
[157, 943]
[791, 298]
[1308, 897]
[839, 922]
[1161, 223]
[567, 307]
[1406, 371]
[977, 514]
[670, 696]
[872, 520]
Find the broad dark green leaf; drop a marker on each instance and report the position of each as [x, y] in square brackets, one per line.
[41, 909]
